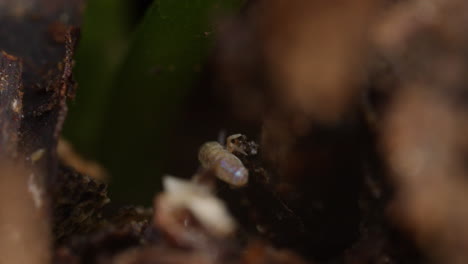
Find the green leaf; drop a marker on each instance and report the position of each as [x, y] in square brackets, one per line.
[103, 44]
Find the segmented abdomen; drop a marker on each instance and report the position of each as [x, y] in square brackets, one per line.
[226, 165]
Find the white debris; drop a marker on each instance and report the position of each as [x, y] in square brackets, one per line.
[15, 106]
[205, 207]
[35, 191]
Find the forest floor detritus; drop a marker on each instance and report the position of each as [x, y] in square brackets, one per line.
[360, 158]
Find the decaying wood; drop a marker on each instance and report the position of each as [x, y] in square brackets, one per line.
[11, 100]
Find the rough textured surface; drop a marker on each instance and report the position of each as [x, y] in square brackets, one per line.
[11, 98]
[78, 204]
[37, 41]
[47, 64]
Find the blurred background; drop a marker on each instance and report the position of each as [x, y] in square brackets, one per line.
[146, 100]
